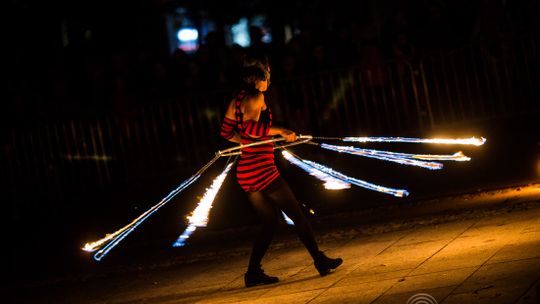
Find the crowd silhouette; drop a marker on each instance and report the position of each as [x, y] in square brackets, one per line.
[87, 79]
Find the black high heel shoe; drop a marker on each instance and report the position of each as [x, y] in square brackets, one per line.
[258, 277]
[325, 264]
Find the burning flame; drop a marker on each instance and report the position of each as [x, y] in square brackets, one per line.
[401, 158]
[112, 239]
[330, 175]
[331, 183]
[458, 156]
[358, 182]
[451, 141]
[199, 216]
[93, 246]
[108, 242]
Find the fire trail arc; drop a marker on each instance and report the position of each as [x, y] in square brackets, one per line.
[333, 180]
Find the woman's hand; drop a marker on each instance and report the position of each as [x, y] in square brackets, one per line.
[288, 135]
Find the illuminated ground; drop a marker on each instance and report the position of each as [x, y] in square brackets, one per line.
[489, 254]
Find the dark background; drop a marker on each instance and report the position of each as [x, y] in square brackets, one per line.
[67, 59]
[91, 79]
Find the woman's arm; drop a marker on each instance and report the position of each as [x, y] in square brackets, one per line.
[285, 133]
[228, 125]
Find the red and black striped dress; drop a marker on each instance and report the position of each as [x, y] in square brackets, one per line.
[256, 168]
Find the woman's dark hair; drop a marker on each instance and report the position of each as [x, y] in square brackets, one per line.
[250, 76]
[261, 62]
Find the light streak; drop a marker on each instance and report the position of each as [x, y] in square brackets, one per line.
[287, 219]
[386, 156]
[331, 183]
[358, 182]
[199, 216]
[110, 241]
[325, 173]
[95, 157]
[451, 141]
[333, 179]
[458, 156]
[401, 158]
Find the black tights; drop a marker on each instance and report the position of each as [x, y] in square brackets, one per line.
[268, 203]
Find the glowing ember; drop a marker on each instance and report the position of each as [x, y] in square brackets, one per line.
[93, 246]
[458, 156]
[457, 141]
[199, 216]
[331, 183]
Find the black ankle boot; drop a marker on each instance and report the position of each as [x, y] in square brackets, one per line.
[324, 264]
[258, 277]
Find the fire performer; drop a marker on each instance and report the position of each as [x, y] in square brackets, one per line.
[248, 119]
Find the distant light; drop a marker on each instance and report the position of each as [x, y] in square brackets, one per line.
[267, 37]
[188, 34]
[240, 33]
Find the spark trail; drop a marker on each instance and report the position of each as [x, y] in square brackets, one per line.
[322, 171]
[331, 183]
[449, 141]
[418, 160]
[107, 243]
[199, 216]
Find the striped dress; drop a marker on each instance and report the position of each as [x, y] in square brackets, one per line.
[256, 168]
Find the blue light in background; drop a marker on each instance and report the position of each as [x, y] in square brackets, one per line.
[188, 34]
[240, 33]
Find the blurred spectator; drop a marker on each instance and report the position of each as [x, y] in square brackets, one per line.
[290, 62]
[489, 23]
[437, 31]
[404, 53]
[123, 101]
[257, 48]
[90, 71]
[399, 28]
[343, 49]
[372, 63]
[319, 59]
[177, 72]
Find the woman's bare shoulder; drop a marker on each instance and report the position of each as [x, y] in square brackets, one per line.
[256, 101]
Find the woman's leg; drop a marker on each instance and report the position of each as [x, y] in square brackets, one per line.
[268, 213]
[281, 195]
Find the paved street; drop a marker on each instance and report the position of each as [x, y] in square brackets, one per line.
[487, 255]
